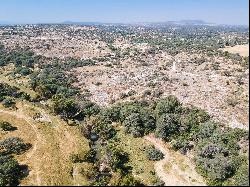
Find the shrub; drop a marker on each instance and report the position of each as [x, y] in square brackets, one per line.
[148, 121]
[119, 159]
[167, 125]
[157, 93]
[133, 125]
[146, 93]
[89, 108]
[181, 144]
[211, 151]
[131, 92]
[103, 129]
[127, 109]
[76, 158]
[123, 95]
[112, 114]
[10, 171]
[153, 154]
[241, 177]
[191, 120]
[6, 126]
[217, 169]
[13, 145]
[129, 180]
[168, 105]
[139, 123]
[90, 156]
[66, 107]
[8, 102]
[206, 130]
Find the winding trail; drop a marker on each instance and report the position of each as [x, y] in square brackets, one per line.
[39, 139]
[48, 159]
[176, 175]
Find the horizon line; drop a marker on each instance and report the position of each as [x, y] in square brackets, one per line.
[68, 22]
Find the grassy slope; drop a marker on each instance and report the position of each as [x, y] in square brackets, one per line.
[52, 144]
[142, 167]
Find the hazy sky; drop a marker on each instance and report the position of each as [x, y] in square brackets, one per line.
[51, 11]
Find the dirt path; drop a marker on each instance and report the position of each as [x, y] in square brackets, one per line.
[48, 159]
[175, 169]
[39, 140]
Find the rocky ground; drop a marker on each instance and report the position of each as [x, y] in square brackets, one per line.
[217, 85]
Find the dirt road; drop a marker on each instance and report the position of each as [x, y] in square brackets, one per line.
[175, 169]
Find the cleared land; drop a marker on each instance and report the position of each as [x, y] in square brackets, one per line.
[243, 50]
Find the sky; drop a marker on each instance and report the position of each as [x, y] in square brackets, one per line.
[124, 11]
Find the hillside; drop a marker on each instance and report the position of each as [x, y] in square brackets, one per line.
[123, 105]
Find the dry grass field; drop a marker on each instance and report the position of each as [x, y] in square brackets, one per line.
[243, 50]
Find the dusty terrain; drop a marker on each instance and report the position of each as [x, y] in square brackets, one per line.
[213, 85]
[175, 169]
[243, 50]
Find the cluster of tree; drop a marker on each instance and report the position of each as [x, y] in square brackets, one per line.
[8, 93]
[50, 81]
[24, 60]
[13, 145]
[220, 156]
[107, 161]
[217, 150]
[72, 108]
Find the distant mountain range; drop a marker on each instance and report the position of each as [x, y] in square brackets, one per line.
[181, 22]
[81, 23]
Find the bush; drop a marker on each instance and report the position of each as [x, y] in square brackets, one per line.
[123, 95]
[129, 180]
[206, 130]
[90, 156]
[103, 130]
[10, 171]
[76, 158]
[112, 114]
[167, 126]
[131, 92]
[211, 151]
[133, 125]
[153, 154]
[168, 105]
[8, 102]
[66, 107]
[89, 108]
[217, 169]
[140, 123]
[119, 159]
[181, 144]
[13, 145]
[6, 126]
[148, 121]
[241, 177]
[23, 71]
[127, 109]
